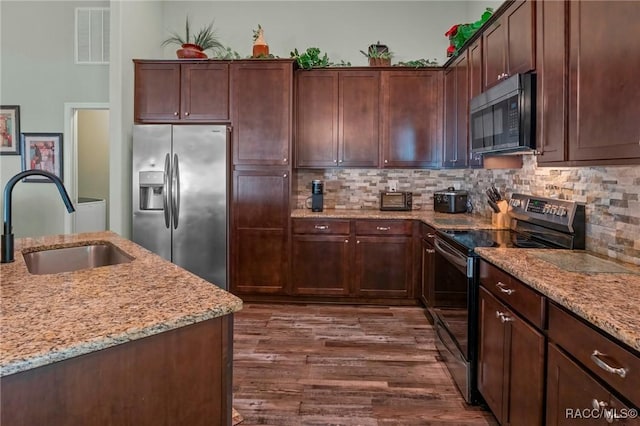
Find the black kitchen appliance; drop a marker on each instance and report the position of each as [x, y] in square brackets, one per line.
[450, 200]
[395, 200]
[536, 222]
[503, 117]
[317, 197]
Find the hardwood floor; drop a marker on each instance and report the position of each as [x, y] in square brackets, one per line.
[342, 365]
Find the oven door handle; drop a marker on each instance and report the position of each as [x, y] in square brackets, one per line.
[459, 260]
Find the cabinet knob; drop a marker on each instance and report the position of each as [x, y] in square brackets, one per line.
[175, 114]
[358, 242]
[284, 175]
[335, 161]
[386, 161]
[284, 160]
[186, 114]
[346, 241]
[340, 161]
[383, 228]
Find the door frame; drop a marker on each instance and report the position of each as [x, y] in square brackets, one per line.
[70, 153]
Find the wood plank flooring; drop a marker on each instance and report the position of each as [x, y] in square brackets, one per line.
[342, 365]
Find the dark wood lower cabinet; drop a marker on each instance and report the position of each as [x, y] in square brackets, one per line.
[321, 265]
[178, 377]
[510, 364]
[575, 398]
[355, 261]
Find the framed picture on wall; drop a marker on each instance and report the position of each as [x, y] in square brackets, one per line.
[9, 130]
[42, 151]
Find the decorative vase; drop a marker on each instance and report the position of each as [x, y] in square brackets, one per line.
[260, 47]
[379, 62]
[191, 51]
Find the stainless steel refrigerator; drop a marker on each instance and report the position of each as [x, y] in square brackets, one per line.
[180, 196]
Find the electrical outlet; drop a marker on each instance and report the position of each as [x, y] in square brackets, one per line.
[393, 185]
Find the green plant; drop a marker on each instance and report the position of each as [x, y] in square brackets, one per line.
[256, 33]
[226, 53]
[418, 63]
[459, 34]
[377, 51]
[311, 58]
[206, 38]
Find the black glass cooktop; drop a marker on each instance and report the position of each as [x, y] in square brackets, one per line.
[470, 239]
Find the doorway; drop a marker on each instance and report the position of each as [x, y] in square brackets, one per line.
[86, 171]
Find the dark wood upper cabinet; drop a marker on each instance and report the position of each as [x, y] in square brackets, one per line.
[261, 112]
[475, 88]
[412, 116]
[604, 92]
[456, 107]
[337, 118]
[509, 43]
[170, 92]
[551, 81]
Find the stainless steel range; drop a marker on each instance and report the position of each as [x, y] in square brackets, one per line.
[536, 222]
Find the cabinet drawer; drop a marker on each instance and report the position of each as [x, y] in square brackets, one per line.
[581, 341]
[520, 297]
[321, 226]
[383, 227]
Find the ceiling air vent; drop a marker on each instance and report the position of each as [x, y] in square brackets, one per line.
[92, 35]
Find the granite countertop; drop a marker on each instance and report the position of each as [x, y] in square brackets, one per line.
[437, 220]
[49, 318]
[601, 290]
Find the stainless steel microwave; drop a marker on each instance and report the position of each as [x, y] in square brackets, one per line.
[503, 117]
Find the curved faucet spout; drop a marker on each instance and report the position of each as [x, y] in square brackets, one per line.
[7, 235]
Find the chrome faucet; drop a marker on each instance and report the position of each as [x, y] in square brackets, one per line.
[7, 235]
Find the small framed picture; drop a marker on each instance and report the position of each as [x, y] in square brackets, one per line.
[9, 130]
[42, 151]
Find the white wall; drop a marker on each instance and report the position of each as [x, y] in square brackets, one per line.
[37, 72]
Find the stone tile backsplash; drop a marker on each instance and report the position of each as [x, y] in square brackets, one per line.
[611, 194]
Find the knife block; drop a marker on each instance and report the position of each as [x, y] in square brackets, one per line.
[501, 220]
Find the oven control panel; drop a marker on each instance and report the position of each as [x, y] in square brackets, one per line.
[546, 209]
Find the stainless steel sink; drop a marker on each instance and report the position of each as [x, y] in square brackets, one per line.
[67, 259]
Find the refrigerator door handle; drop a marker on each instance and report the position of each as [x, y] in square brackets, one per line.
[175, 193]
[166, 189]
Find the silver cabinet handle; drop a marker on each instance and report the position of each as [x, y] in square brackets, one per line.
[284, 175]
[186, 114]
[595, 357]
[383, 228]
[357, 241]
[386, 161]
[602, 406]
[504, 289]
[346, 241]
[503, 317]
[431, 235]
[176, 114]
[321, 227]
[284, 160]
[430, 251]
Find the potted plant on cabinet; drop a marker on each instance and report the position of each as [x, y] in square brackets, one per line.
[194, 47]
[379, 55]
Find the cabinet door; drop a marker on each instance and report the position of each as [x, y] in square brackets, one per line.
[551, 81]
[317, 119]
[205, 92]
[358, 118]
[156, 92]
[603, 93]
[569, 389]
[525, 386]
[475, 88]
[260, 213]
[494, 53]
[383, 266]
[261, 114]
[492, 353]
[520, 18]
[412, 118]
[324, 275]
[456, 113]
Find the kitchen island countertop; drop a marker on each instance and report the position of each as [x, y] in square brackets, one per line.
[604, 292]
[53, 317]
